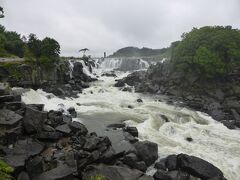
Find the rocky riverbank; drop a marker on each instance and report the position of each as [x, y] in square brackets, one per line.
[65, 78]
[217, 97]
[50, 145]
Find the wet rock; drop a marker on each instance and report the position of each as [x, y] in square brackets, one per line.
[10, 98]
[22, 150]
[198, 167]
[165, 118]
[13, 106]
[111, 172]
[9, 119]
[147, 151]
[38, 107]
[48, 128]
[171, 162]
[132, 161]
[116, 125]
[23, 176]
[64, 129]
[139, 100]
[35, 166]
[33, 120]
[145, 177]
[230, 124]
[78, 127]
[55, 118]
[235, 115]
[161, 164]
[67, 119]
[130, 138]
[161, 175]
[49, 136]
[72, 112]
[61, 172]
[131, 130]
[189, 139]
[130, 107]
[109, 74]
[129, 89]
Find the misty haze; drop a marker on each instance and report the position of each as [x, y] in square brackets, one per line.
[119, 90]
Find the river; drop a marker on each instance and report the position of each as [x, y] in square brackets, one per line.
[103, 104]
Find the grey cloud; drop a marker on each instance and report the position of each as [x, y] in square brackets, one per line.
[106, 25]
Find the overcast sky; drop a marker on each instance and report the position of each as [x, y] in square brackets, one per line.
[107, 25]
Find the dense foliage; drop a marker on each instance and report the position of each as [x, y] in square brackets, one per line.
[209, 51]
[5, 171]
[44, 52]
[136, 52]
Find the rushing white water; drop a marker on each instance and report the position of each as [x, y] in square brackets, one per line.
[211, 140]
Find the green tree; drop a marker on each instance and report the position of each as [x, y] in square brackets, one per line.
[34, 47]
[210, 51]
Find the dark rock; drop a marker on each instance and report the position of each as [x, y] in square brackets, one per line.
[129, 89]
[145, 177]
[48, 128]
[147, 151]
[78, 127]
[189, 139]
[139, 100]
[9, 119]
[38, 107]
[64, 129]
[109, 74]
[10, 98]
[67, 119]
[35, 166]
[13, 106]
[22, 150]
[198, 167]
[132, 161]
[111, 172]
[116, 125]
[161, 175]
[49, 136]
[131, 130]
[171, 162]
[230, 124]
[130, 107]
[235, 115]
[61, 172]
[72, 112]
[130, 138]
[33, 120]
[23, 176]
[161, 164]
[165, 118]
[55, 118]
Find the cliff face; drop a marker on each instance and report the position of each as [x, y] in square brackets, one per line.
[25, 75]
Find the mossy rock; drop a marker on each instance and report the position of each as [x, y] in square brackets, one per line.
[5, 171]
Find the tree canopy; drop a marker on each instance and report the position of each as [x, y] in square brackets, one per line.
[44, 52]
[210, 51]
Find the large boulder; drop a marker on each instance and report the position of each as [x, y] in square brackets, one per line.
[147, 151]
[61, 172]
[102, 171]
[78, 127]
[9, 119]
[22, 150]
[33, 120]
[198, 167]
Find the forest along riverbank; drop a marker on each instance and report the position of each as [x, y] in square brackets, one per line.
[175, 129]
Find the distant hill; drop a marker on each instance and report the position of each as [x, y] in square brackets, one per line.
[141, 52]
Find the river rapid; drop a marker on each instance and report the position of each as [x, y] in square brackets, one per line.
[103, 104]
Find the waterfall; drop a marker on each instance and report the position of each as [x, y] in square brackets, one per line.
[123, 64]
